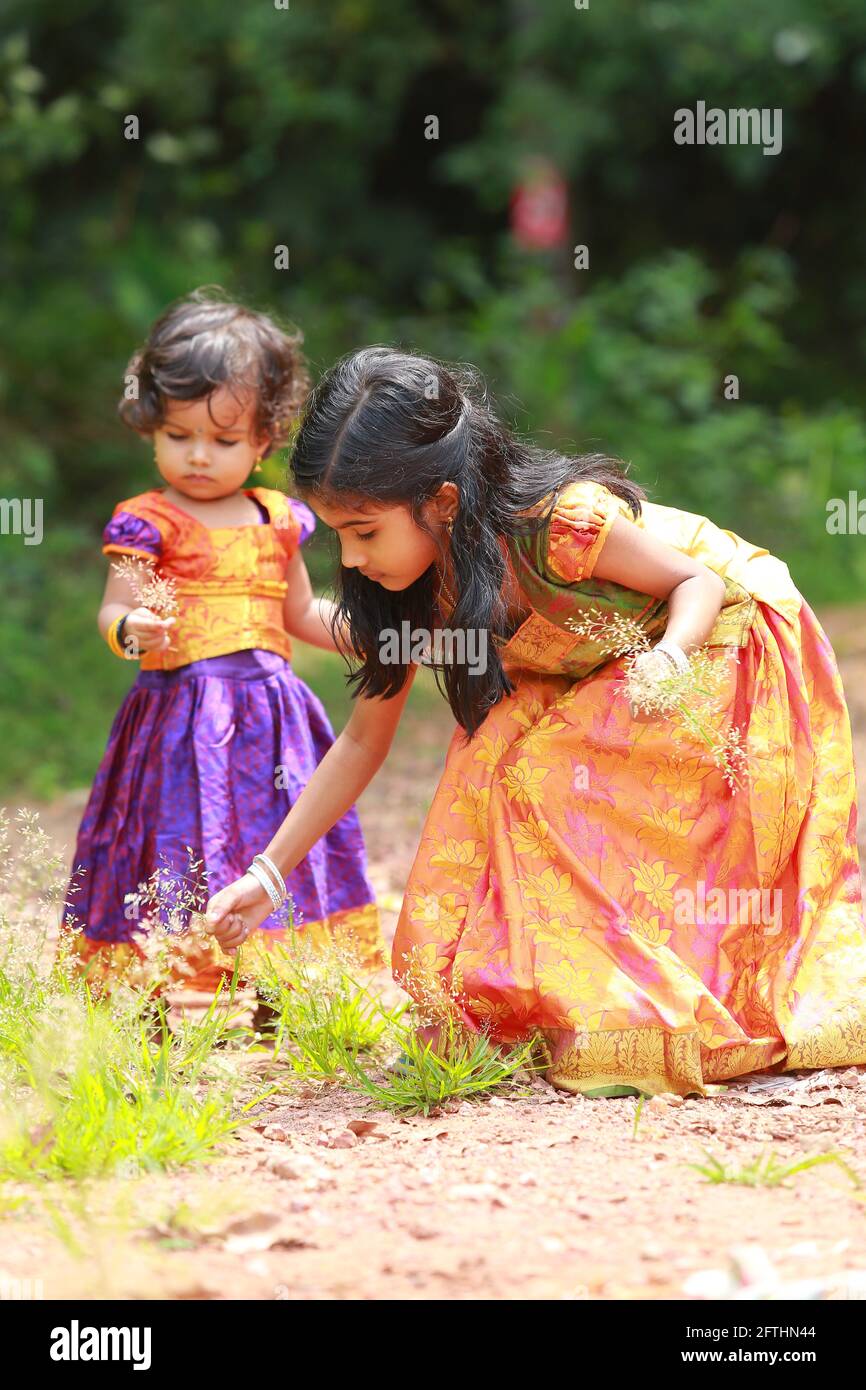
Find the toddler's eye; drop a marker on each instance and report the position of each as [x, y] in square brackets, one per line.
[367, 536]
[175, 436]
[227, 443]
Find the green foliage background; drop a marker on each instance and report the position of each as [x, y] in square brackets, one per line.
[304, 126]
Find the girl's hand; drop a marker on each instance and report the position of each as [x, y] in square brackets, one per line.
[235, 911]
[149, 632]
[652, 667]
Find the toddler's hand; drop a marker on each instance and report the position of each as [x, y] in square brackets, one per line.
[235, 911]
[147, 631]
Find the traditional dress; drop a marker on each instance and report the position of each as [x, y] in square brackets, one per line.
[212, 745]
[566, 882]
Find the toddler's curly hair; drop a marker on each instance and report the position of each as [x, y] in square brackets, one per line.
[204, 341]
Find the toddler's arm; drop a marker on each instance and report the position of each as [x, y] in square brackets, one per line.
[305, 616]
[148, 632]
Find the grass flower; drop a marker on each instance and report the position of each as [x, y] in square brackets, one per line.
[151, 590]
[692, 698]
[92, 1084]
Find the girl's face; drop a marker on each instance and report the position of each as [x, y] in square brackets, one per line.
[207, 448]
[384, 543]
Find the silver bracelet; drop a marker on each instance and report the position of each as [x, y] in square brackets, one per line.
[258, 872]
[676, 654]
[269, 864]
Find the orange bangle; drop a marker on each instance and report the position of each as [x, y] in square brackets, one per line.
[112, 639]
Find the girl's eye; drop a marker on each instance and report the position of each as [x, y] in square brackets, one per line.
[226, 443]
[367, 537]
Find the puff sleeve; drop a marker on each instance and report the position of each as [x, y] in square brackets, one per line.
[306, 517]
[130, 534]
[578, 528]
[293, 521]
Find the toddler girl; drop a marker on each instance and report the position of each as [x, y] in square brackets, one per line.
[217, 736]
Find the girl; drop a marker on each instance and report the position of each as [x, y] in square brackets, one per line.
[569, 851]
[217, 736]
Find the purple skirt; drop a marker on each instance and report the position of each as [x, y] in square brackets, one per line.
[210, 756]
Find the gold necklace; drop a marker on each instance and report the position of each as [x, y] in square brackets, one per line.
[444, 591]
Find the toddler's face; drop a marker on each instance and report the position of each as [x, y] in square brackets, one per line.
[384, 543]
[207, 448]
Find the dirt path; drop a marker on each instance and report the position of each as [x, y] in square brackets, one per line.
[541, 1196]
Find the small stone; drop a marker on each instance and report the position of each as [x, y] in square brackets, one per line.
[651, 1252]
[279, 1133]
[282, 1167]
[365, 1128]
[344, 1140]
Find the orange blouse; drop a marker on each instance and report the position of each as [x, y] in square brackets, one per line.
[230, 581]
[585, 512]
[551, 577]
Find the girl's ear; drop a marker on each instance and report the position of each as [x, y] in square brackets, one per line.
[263, 446]
[445, 502]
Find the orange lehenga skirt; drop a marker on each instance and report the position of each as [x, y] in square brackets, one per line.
[567, 882]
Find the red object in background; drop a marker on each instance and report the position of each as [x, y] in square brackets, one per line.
[539, 209]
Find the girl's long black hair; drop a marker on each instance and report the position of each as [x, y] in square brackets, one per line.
[385, 427]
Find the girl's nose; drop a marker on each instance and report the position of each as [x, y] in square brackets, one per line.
[197, 452]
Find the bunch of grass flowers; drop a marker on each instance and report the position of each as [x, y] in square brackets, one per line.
[692, 698]
[170, 934]
[32, 890]
[437, 1002]
[154, 591]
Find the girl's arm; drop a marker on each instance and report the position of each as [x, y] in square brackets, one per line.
[148, 632]
[638, 561]
[349, 766]
[305, 616]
